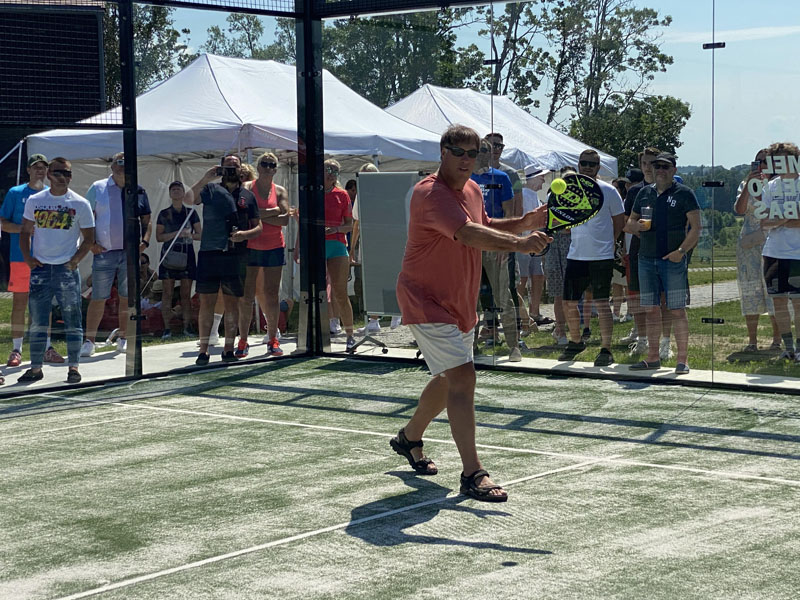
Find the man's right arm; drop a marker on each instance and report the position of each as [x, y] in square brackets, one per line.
[6, 213]
[485, 238]
[25, 244]
[195, 198]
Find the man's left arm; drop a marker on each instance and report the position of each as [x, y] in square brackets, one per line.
[691, 239]
[144, 213]
[83, 249]
[536, 219]
[253, 220]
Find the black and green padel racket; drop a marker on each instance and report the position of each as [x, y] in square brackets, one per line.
[571, 201]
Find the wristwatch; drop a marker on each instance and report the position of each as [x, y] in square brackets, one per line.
[146, 243]
[681, 250]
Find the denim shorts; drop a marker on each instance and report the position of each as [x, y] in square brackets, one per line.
[105, 267]
[334, 249]
[658, 275]
[266, 258]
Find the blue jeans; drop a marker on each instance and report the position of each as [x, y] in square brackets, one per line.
[55, 281]
[657, 275]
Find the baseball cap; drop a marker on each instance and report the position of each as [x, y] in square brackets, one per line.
[634, 175]
[35, 158]
[175, 183]
[535, 170]
[666, 157]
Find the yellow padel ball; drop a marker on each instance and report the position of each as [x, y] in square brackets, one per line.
[558, 187]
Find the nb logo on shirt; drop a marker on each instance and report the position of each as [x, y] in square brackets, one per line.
[672, 201]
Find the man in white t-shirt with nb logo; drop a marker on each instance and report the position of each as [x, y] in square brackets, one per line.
[59, 217]
[590, 264]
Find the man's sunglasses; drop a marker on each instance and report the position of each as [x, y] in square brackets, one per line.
[456, 151]
[62, 172]
[662, 166]
[498, 146]
[121, 162]
[588, 163]
[331, 170]
[268, 165]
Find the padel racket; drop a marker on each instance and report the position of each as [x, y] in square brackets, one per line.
[581, 200]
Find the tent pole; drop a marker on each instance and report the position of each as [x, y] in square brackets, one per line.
[10, 152]
[19, 161]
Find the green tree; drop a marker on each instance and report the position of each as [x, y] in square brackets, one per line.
[387, 58]
[157, 48]
[625, 125]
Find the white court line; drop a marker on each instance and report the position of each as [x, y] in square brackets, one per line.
[303, 536]
[92, 424]
[724, 474]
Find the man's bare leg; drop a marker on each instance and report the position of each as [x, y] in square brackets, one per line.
[205, 319]
[94, 314]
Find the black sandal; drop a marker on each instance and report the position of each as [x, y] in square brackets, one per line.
[482, 493]
[403, 446]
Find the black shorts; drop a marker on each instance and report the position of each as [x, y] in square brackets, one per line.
[584, 274]
[782, 276]
[217, 269]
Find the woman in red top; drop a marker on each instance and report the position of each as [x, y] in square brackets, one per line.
[266, 255]
[338, 222]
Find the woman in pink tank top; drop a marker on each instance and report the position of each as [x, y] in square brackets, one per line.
[266, 256]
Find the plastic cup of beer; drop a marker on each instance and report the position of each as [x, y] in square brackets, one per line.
[646, 218]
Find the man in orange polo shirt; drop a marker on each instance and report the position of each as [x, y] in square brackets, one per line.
[438, 291]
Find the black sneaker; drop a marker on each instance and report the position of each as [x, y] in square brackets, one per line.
[586, 335]
[73, 376]
[229, 356]
[572, 350]
[31, 375]
[604, 359]
[202, 359]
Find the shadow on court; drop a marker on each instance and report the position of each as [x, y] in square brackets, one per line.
[367, 523]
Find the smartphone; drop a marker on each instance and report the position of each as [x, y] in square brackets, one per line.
[754, 166]
[219, 171]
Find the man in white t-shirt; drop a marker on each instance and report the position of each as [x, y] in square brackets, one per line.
[590, 264]
[59, 217]
[530, 267]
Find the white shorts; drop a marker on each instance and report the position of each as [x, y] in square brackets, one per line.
[444, 346]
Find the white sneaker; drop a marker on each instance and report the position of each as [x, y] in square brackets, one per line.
[122, 344]
[562, 341]
[396, 322]
[639, 347]
[336, 327]
[213, 339]
[374, 326]
[515, 356]
[664, 351]
[88, 348]
[631, 337]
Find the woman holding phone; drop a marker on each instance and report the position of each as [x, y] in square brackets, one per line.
[749, 273]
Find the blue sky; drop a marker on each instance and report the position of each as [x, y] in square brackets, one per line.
[756, 77]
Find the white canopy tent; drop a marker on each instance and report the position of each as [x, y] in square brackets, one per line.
[219, 104]
[528, 140]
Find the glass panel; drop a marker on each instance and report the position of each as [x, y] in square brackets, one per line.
[755, 145]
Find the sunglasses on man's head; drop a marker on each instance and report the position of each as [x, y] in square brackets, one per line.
[588, 163]
[456, 151]
[62, 172]
[331, 170]
[268, 165]
[660, 166]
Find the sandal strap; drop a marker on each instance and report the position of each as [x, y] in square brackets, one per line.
[405, 443]
[470, 479]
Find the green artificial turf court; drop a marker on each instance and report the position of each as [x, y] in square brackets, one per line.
[277, 481]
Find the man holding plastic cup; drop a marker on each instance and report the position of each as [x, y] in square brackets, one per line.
[673, 229]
